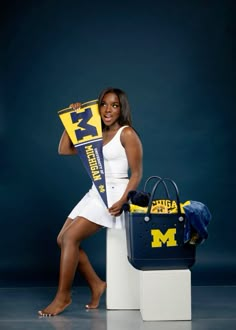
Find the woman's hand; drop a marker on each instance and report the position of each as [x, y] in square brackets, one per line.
[115, 209]
[75, 106]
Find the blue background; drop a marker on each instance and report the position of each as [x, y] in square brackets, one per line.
[175, 60]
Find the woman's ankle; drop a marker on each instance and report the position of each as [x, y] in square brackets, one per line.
[63, 295]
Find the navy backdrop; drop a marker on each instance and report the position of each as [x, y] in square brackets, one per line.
[175, 60]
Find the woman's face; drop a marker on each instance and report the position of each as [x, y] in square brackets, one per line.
[110, 110]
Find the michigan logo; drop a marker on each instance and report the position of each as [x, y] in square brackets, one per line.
[84, 124]
[159, 238]
[84, 128]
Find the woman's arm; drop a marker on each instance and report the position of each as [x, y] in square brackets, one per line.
[134, 153]
[66, 146]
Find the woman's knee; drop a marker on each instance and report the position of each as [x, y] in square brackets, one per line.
[68, 237]
[59, 240]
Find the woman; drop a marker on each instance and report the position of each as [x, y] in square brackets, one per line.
[122, 150]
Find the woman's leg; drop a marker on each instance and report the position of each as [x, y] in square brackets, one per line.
[96, 285]
[72, 236]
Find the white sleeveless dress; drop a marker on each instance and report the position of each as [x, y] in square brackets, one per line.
[91, 206]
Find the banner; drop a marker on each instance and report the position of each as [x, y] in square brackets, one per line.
[84, 128]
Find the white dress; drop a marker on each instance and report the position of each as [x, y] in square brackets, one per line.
[91, 206]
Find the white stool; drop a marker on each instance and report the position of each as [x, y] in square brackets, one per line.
[124, 320]
[165, 295]
[122, 279]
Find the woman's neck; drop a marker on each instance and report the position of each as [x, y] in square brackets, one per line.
[111, 129]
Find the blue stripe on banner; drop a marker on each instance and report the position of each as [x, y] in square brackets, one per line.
[92, 158]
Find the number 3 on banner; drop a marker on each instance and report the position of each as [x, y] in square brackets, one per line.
[83, 125]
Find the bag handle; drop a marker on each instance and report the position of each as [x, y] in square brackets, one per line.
[147, 216]
[159, 178]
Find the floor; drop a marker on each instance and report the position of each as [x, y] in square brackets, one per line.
[213, 308]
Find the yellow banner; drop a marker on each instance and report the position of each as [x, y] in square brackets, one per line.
[83, 124]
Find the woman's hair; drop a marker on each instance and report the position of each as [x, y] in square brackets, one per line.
[125, 113]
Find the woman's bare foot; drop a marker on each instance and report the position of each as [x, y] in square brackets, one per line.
[97, 292]
[57, 306]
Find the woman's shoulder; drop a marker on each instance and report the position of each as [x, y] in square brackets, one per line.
[128, 130]
[128, 133]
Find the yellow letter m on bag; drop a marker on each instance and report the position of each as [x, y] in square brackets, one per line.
[159, 238]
